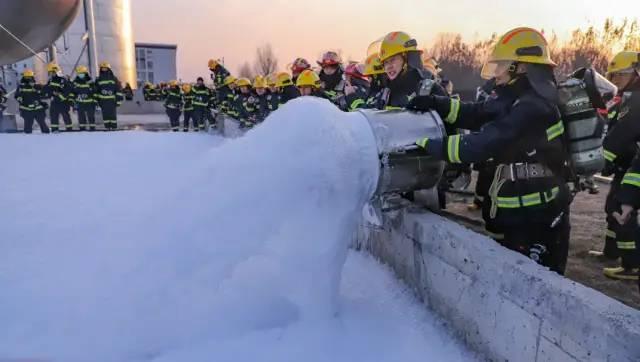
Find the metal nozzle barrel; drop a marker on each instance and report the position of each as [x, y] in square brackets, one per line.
[403, 165]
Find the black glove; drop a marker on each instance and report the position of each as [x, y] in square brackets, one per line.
[422, 103]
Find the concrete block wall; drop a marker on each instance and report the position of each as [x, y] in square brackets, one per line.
[499, 302]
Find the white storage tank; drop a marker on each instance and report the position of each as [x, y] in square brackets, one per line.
[114, 36]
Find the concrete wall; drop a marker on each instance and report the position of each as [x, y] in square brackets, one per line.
[500, 302]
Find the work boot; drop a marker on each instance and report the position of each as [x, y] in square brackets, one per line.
[621, 273]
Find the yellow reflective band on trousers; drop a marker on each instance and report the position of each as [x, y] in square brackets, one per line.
[532, 199]
[609, 156]
[454, 109]
[632, 179]
[612, 115]
[392, 108]
[610, 234]
[453, 148]
[626, 245]
[555, 131]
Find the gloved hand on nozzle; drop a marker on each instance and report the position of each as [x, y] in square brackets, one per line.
[422, 103]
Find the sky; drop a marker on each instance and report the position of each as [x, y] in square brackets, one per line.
[233, 29]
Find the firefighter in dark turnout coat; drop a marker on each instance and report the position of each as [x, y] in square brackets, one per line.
[529, 198]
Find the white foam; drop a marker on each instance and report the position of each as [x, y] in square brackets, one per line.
[180, 247]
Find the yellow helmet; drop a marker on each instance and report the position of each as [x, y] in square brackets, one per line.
[243, 82]
[82, 69]
[105, 65]
[397, 42]
[624, 62]
[186, 87]
[28, 73]
[372, 65]
[173, 83]
[212, 63]
[283, 79]
[259, 82]
[524, 45]
[308, 78]
[271, 80]
[229, 80]
[52, 68]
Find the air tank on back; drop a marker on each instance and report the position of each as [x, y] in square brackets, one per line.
[37, 23]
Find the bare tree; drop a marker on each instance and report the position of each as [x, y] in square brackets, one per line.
[266, 61]
[245, 71]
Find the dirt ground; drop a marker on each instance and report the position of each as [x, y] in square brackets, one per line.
[587, 232]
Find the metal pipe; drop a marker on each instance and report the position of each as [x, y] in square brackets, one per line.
[19, 41]
[52, 52]
[90, 22]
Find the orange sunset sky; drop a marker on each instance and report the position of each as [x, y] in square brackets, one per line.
[233, 29]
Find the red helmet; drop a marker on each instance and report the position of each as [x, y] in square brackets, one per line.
[330, 58]
[356, 70]
[299, 65]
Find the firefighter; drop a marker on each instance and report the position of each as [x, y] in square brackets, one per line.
[620, 149]
[272, 96]
[57, 89]
[246, 104]
[173, 103]
[356, 89]
[84, 96]
[127, 91]
[299, 65]
[309, 84]
[331, 76]
[109, 96]
[162, 91]
[226, 97]
[148, 92]
[488, 94]
[529, 198]
[211, 109]
[218, 72]
[30, 99]
[201, 99]
[286, 89]
[261, 93]
[187, 110]
[405, 73]
[375, 71]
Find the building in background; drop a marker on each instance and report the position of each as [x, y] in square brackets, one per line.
[156, 63]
